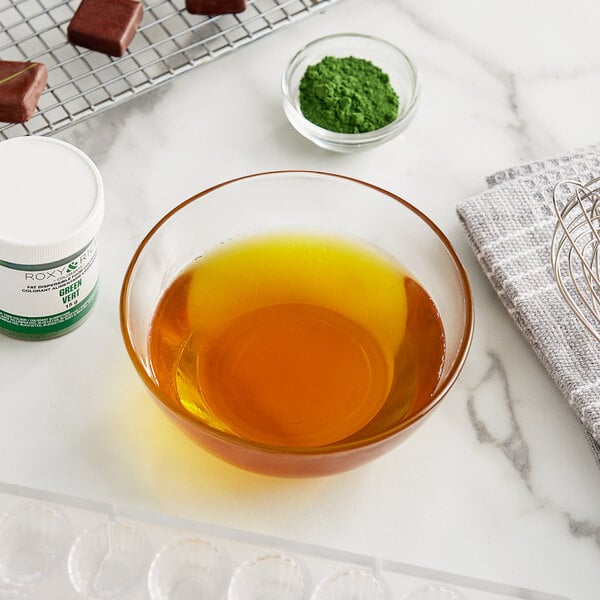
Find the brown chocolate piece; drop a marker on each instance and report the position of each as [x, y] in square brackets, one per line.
[21, 85]
[106, 26]
[215, 7]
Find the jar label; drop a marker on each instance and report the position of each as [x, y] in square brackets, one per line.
[43, 300]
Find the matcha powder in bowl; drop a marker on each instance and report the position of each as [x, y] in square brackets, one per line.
[347, 95]
[350, 91]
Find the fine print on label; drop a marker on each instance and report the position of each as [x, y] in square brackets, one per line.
[45, 299]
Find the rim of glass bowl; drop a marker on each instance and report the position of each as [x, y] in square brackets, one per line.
[341, 446]
[298, 119]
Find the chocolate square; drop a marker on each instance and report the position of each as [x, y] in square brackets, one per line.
[106, 26]
[21, 85]
[215, 7]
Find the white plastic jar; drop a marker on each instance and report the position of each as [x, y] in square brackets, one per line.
[51, 209]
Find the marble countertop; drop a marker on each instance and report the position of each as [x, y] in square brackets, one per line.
[479, 489]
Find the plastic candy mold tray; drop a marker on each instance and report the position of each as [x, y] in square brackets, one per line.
[59, 548]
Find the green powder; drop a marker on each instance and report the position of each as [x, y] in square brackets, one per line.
[348, 95]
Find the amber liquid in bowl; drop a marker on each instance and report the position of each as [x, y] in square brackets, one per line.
[296, 340]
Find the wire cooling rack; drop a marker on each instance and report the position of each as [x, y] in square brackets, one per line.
[170, 41]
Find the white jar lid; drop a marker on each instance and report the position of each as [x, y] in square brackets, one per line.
[51, 200]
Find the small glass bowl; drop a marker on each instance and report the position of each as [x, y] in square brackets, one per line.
[391, 60]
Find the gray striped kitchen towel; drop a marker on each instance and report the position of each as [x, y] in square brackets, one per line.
[510, 227]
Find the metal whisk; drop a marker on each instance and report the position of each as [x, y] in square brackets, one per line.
[575, 250]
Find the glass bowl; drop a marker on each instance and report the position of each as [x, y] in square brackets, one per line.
[391, 60]
[301, 201]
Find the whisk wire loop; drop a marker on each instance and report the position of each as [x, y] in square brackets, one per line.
[575, 249]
